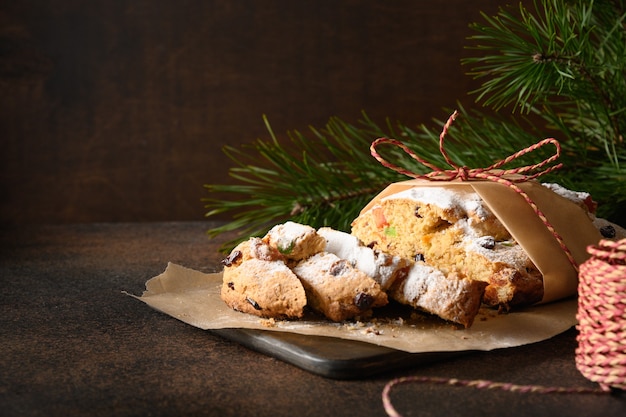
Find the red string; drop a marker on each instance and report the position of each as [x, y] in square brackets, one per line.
[480, 384]
[507, 177]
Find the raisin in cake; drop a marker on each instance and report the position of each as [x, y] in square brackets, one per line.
[453, 231]
[257, 281]
[336, 289]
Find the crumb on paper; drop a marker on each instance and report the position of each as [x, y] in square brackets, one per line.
[368, 329]
[485, 314]
[268, 322]
[373, 330]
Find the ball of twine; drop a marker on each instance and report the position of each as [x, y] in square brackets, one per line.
[601, 351]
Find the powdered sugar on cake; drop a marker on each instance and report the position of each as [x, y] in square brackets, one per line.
[382, 267]
[317, 266]
[507, 252]
[575, 196]
[453, 198]
[260, 250]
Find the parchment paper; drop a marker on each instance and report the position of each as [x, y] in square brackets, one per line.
[193, 297]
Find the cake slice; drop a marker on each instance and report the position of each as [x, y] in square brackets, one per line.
[336, 289]
[382, 267]
[257, 281]
[294, 241]
[451, 297]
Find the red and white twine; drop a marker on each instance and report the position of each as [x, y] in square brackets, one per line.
[479, 384]
[601, 352]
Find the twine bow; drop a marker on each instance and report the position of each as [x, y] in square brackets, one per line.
[464, 173]
[507, 177]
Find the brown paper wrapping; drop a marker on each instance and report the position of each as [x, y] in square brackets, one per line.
[193, 297]
[570, 221]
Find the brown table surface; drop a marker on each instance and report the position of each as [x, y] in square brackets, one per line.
[71, 343]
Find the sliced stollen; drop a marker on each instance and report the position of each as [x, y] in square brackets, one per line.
[338, 290]
[257, 281]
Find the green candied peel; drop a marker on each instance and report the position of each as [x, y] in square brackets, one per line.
[286, 250]
[390, 231]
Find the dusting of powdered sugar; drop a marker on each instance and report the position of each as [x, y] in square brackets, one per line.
[268, 267]
[431, 289]
[316, 268]
[507, 252]
[462, 202]
[287, 234]
[421, 277]
[576, 196]
[377, 265]
[261, 250]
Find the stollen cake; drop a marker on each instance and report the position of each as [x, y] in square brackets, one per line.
[278, 275]
[257, 281]
[451, 230]
[336, 289]
[451, 297]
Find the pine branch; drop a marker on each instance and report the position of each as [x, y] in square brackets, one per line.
[569, 63]
[563, 64]
[316, 180]
[326, 177]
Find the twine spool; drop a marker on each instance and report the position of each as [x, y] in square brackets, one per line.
[601, 352]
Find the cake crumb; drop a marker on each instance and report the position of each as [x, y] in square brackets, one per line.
[268, 322]
[373, 330]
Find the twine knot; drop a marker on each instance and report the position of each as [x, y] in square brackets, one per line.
[462, 173]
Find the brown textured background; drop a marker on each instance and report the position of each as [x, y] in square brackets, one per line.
[116, 110]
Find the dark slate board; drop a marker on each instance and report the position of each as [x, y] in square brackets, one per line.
[330, 357]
